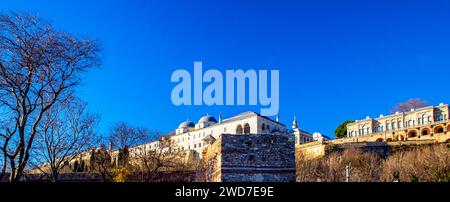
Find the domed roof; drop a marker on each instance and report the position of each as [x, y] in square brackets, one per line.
[187, 124]
[317, 134]
[207, 118]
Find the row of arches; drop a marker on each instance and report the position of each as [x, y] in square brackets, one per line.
[396, 138]
[243, 130]
[427, 131]
[400, 139]
[414, 133]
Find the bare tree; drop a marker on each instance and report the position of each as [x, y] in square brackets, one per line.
[39, 66]
[164, 156]
[406, 106]
[66, 131]
[123, 135]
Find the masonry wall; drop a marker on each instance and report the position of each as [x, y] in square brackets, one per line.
[252, 158]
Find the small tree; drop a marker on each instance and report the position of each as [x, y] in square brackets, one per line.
[406, 106]
[341, 130]
[123, 157]
[101, 162]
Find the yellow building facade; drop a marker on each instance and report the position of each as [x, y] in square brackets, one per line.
[427, 123]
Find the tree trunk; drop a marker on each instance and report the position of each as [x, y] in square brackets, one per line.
[2, 173]
[55, 175]
[12, 165]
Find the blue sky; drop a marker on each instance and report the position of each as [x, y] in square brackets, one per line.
[338, 60]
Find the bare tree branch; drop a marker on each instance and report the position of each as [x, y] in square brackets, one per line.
[65, 131]
[406, 106]
[39, 67]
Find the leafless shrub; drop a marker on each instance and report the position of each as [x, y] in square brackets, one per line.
[426, 164]
[361, 167]
[421, 164]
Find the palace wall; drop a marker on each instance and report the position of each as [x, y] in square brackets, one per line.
[251, 158]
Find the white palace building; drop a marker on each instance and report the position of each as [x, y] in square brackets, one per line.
[194, 137]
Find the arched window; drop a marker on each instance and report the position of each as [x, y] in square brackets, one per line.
[425, 131]
[393, 125]
[247, 128]
[412, 134]
[239, 129]
[438, 129]
[410, 123]
[263, 126]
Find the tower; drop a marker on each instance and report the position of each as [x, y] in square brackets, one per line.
[220, 117]
[294, 123]
[278, 118]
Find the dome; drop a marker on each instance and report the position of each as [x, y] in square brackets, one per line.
[207, 118]
[187, 124]
[317, 134]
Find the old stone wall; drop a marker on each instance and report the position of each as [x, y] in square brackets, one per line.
[252, 158]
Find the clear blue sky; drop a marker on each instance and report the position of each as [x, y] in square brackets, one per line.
[338, 60]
